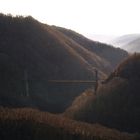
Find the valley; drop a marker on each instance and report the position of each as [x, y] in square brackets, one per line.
[57, 84]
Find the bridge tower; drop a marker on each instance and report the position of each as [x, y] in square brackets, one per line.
[96, 81]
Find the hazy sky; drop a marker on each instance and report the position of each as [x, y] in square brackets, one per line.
[109, 17]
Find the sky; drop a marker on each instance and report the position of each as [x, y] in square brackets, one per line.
[88, 17]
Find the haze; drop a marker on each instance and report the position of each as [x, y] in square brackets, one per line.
[102, 17]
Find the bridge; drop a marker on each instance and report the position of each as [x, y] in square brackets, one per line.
[72, 81]
[95, 82]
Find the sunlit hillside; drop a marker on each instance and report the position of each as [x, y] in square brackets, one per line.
[26, 123]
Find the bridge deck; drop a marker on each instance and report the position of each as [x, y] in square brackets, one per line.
[72, 81]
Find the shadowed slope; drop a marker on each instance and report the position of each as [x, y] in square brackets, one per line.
[31, 53]
[27, 45]
[117, 101]
[107, 52]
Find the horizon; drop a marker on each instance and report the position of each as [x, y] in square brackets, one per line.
[110, 17]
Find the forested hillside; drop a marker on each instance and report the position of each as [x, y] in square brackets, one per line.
[116, 103]
[32, 54]
[107, 52]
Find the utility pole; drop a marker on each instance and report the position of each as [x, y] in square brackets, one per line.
[26, 83]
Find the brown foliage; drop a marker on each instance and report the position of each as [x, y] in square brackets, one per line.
[117, 102]
[32, 124]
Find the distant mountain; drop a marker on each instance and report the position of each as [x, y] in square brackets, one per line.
[116, 104]
[128, 42]
[133, 46]
[32, 53]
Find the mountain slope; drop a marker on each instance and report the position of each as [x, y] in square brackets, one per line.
[107, 52]
[116, 104]
[27, 46]
[32, 53]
